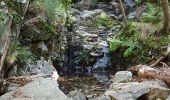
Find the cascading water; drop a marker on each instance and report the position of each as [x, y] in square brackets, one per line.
[103, 62]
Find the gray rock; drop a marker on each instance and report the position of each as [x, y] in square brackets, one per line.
[126, 91]
[86, 34]
[89, 15]
[168, 98]
[122, 76]
[40, 67]
[83, 5]
[103, 98]
[131, 15]
[76, 95]
[134, 90]
[156, 82]
[38, 89]
[42, 46]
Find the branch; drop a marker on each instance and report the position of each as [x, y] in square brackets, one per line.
[161, 58]
[123, 11]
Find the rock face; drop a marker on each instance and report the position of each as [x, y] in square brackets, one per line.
[39, 88]
[40, 67]
[38, 82]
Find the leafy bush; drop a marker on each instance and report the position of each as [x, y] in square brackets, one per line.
[129, 39]
[153, 14]
[104, 20]
[21, 54]
[138, 2]
[132, 43]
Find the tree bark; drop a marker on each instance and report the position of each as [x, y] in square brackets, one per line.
[6, 47]
[148, 72]
[123, 11]
[165, 6]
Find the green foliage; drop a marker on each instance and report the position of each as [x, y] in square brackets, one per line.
[138, 2]
[128, 39]
[131, 43]
[104, 20]
[21, 54]
[153, 14]
[54, 9]
[3, 17]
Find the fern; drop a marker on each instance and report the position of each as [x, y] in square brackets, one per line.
[130, 43]
[153, 14]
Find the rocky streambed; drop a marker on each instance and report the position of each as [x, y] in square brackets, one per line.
[45, 84]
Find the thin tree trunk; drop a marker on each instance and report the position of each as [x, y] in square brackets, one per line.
[123, 11]
[18, 27]
[5, 48]
[165, 6]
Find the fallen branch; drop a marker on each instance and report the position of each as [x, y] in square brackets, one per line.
[161, 58]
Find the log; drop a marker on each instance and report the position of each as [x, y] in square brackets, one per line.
[148, 72]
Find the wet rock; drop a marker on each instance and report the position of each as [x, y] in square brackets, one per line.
[39, 88]
[76, 95]
[131, 15]
[102, 63]
[86, 34]
[128, 2]
[89, 15]
[40, 67]
[122, 76]
[83, 5]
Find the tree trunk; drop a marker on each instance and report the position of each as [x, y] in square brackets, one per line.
[123, 11]
[161, 74]
[6, 47]
[165, 6]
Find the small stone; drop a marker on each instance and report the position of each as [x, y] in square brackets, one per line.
[76, 95]
[122, 76]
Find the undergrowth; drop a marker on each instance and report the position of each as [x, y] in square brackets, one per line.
[153, 14]
[132, 43]
[138, 39]
[20, 54]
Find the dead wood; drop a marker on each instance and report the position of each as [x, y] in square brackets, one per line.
[161, 59]
[148, 72]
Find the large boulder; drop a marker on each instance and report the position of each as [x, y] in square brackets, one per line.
[136, 90]
[40, 67]
[38, 88]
